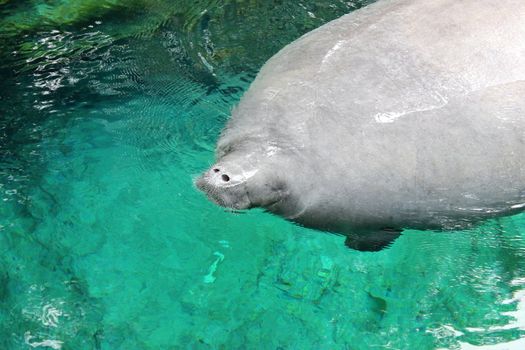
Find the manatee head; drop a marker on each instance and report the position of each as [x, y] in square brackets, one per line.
[245, 177]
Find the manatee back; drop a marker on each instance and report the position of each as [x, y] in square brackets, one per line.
[387, 59]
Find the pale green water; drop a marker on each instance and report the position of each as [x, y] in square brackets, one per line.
[108, 111]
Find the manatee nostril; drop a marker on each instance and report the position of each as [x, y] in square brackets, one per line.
[225, 178]
[216, 170]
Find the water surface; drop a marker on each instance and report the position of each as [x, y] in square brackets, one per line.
[108, 110]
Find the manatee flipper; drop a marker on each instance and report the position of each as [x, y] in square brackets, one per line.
[373, 241]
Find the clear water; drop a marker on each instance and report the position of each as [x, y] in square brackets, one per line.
[108, 110]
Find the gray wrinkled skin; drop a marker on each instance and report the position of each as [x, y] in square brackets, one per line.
[404, 114]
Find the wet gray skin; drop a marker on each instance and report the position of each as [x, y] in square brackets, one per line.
[404, 114]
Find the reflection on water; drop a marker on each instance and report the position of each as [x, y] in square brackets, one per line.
[108, 111]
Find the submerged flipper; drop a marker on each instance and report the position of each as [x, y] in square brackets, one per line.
[372, 241]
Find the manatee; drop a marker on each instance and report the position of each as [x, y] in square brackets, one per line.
[405, 114]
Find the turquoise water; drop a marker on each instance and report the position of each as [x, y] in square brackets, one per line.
[108, 111]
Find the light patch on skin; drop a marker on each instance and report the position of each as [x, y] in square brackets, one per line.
[481, 210]
[518, 206]
[271, 93]
[390, 117]
[240, 178]
[272, 150]
[330, 52]
[248, 174]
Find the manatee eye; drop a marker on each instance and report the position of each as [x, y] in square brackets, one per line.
[225, 178]
[216, 170]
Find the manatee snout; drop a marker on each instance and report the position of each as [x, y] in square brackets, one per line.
[225, 185]
[217, 176]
